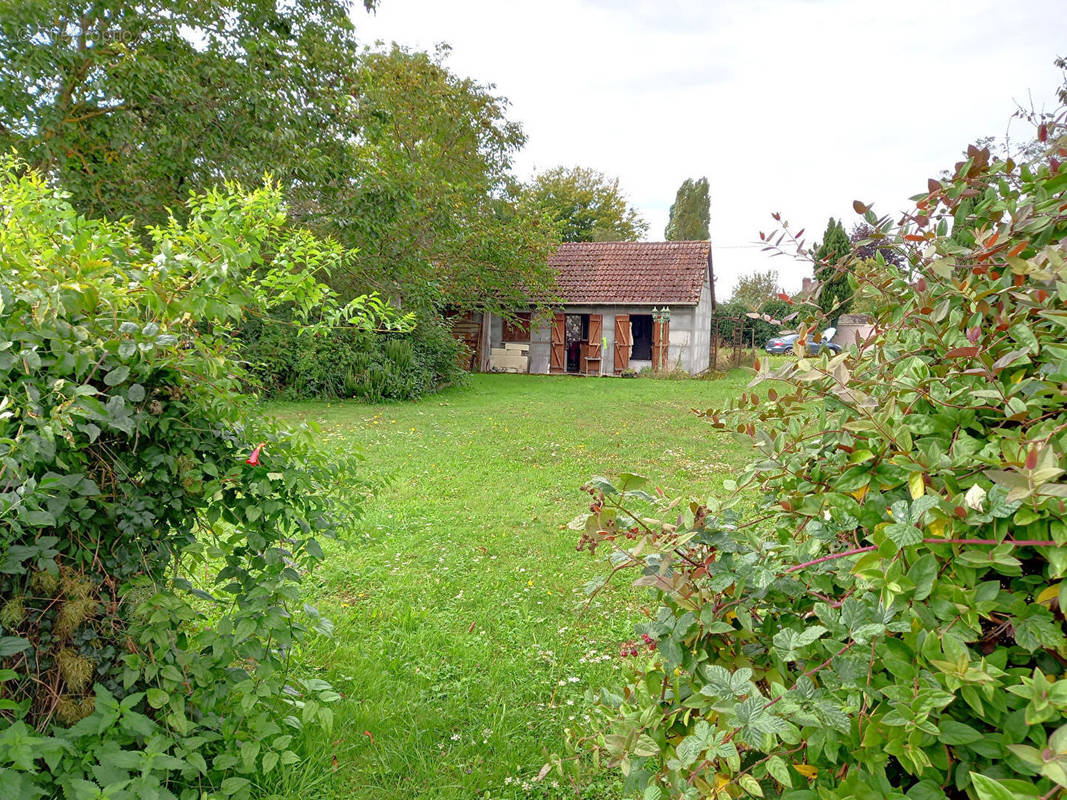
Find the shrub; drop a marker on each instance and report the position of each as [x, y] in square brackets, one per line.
[368, 365]
[755, 329]
[893, 624]
[153, 529]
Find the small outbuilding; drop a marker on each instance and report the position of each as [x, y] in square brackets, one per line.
[625, 306]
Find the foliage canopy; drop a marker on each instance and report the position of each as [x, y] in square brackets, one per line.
[132, 106]
[586, 205]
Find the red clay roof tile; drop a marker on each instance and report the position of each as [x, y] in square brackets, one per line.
[631, 272]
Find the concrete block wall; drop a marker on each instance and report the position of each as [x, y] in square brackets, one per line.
[689, 336]
[702, 317]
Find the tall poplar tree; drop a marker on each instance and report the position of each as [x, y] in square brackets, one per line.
[690, 216]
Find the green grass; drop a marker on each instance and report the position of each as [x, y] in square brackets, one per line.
[461, 646]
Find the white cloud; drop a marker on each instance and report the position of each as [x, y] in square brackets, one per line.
[797, 106]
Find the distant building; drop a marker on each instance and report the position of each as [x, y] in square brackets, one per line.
[626, 306]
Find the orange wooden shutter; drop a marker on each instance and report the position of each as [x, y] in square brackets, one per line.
[623, 342]
[558, 354]
[595, 349]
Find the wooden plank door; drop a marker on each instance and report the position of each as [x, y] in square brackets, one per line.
[623, 342]
[558, 355]
[595, 348]
[661, 339]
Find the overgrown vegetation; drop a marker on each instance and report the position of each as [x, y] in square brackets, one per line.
[154, 528]
[287, 361]
[892, 623]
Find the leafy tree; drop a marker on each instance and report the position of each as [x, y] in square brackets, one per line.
[586, 205]
[831, 270]
[690, 214]
[429, 196]
[756, 287]
[890, 622]
[130, 106]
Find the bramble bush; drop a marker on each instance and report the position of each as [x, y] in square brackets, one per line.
[154, 528]
[891, 625]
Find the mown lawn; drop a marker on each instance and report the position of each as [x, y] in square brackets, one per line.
[461, 645]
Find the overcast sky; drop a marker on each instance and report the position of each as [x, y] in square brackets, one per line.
[797, 106]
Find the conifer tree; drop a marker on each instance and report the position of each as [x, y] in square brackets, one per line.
[831, 271]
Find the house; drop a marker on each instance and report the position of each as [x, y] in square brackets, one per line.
[626, 306]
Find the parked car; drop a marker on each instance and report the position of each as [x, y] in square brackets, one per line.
[783, 343]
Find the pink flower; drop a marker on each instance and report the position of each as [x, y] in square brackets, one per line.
[253, 460]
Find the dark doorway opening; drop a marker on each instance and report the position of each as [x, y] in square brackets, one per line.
[641, 326]
[577, 333]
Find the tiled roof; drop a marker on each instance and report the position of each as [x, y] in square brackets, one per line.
[631, 272]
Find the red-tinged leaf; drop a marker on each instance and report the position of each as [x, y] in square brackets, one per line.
[973, 334]
[785, 297]
[960, 512]
[1020, 280]
[777, 216]
[762, 236]
[772, 395]
[914, 237]
[922, 220]
[933, 186]
[1018, 248]
[1031, 458]
[1041, 295]
[860, 207]
[962, 352]
[800, 233]
[1042, 132]
[920, 285]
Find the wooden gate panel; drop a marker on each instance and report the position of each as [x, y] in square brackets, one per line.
[558, 355]
[623, 342]
[595, 347]
[661, 339]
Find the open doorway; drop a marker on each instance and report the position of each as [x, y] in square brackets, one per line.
[641, 329]
[577, 333]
